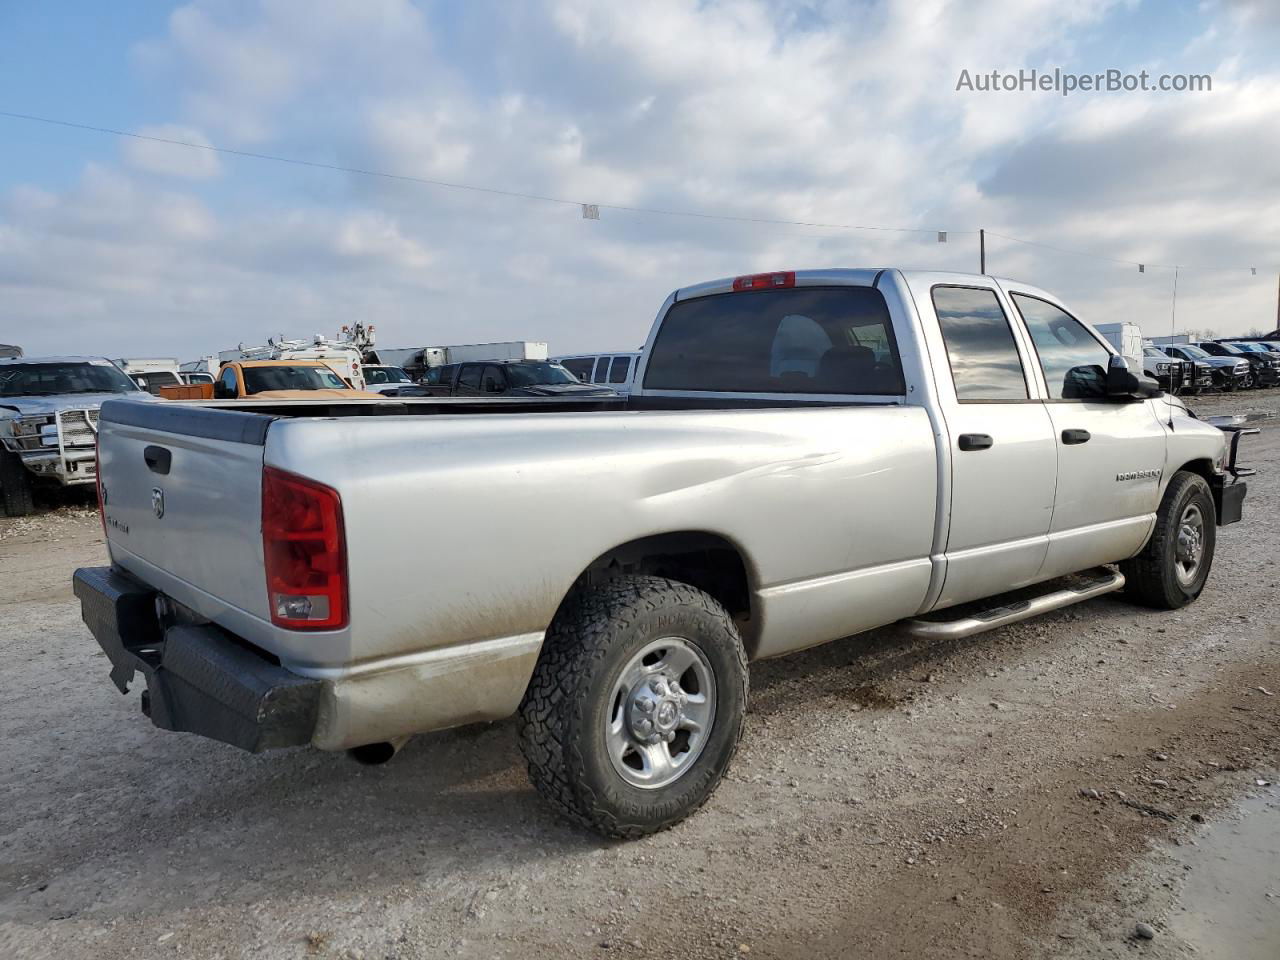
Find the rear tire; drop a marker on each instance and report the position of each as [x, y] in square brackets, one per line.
[1173, 567]
[16, 494]
[636, 705]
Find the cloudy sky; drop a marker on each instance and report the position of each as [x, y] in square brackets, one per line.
[823, 111]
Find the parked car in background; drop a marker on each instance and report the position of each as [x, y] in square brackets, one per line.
[418, 361]
[509, 378]
[344, 357]
[1264, 371]
[151, 373]
[195, 377]
[206, 366]
[385, 380]
[615, 370]
[806, 456]
[1165, 370]
[284, 380]
[1229, 373]
[49, 422]
[1269, 354]
[1184, 377]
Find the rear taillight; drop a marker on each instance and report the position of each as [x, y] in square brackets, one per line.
[305, 552]
[766, 281]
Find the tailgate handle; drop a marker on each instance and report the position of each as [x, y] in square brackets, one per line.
[158, 459]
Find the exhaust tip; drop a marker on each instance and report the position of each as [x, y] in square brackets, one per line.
[374, 754]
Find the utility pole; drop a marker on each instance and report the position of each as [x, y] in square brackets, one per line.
[982, 262]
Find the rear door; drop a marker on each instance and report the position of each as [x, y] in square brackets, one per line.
[469, 380]
[1111, 453]
[494, 380]
[1000, 436]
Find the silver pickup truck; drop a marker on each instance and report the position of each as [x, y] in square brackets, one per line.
[806, 455]
[49, 422]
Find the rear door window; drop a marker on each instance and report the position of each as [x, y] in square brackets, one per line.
[984, 359]
[493, 381]
[580, 367]
[618, 369]
[809, 340]
[469, 379]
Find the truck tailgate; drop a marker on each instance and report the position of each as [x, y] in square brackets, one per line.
[182, 492]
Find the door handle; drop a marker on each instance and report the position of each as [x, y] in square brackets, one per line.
[158, 459]
[975, 441]
[1070, 437]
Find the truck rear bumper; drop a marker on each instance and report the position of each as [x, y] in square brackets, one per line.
[202, 679]
[199, 678]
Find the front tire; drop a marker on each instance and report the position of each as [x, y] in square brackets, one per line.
[1173, 567]
[636, 705]
[16, 495]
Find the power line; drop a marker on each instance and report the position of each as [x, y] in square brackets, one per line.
[451, 185]
[564, 201]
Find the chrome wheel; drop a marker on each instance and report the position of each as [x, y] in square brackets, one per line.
[661, 711]
[1189, 549]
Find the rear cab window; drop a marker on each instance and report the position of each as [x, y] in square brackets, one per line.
[800, 340]
[619, 369]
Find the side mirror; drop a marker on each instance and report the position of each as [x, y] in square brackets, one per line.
[1124, 383]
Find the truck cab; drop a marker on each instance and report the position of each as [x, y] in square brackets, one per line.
[283, 380]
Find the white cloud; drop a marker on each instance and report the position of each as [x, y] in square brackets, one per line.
[171, 159]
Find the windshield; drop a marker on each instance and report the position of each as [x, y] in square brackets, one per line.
[1247, 347]
[1153, 352]
[1195, 352]
[1230, 348]
[532, 374]
[260, 379]
[55, 379]
[385, 375]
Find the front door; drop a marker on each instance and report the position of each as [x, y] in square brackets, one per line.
[1111, 453]
[1002, 446]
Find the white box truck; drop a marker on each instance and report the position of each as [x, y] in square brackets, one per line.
[1126, 337]
[506, 350]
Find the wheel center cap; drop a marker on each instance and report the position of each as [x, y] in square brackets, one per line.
[656, 710]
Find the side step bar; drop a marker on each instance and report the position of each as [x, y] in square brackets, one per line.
[1002, 616]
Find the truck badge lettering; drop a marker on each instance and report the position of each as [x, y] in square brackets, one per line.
[1138, 475]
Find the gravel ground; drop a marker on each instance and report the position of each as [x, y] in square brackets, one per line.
[1020, 793]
